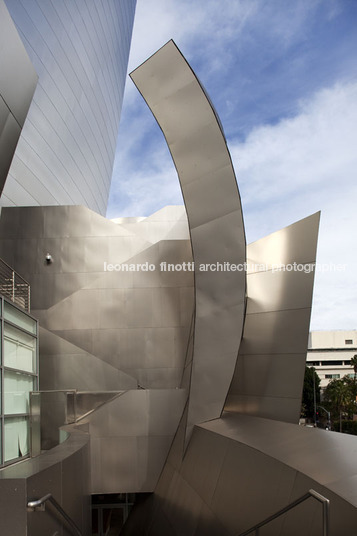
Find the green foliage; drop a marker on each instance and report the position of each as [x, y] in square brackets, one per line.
[340, 396]
[307, 408]
[354, 364]
[348, 427]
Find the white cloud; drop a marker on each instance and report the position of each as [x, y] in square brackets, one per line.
[302, 165]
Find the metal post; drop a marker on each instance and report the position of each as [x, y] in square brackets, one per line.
[13, 287]
[325, 511]
[313, 375]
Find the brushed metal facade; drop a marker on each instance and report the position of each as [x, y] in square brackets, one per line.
[66, 150]
[240, 469]
[18, 81]
[168, 342]
[270, 369]
[131, 437]
[109, 330]
[199, 150]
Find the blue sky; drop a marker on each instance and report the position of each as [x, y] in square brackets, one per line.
[282, 75]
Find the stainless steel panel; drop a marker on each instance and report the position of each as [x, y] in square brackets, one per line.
[285, 408]
[151, 451]
[258, 375]
[48, 480]
[118, 465]
[242, 465]
[86, 402]
[12, 512]
[309, 451]
[78, 100]
[35, 424]
[165, 410]
[276, 332]
[182, 498]
[62, 472]
[295, 243]
[143, 308]
[278, 291]
[9, 136]
[199, 151]
[140, 426]
[19, 78]
[53, 415]
[277, 324]
[65, 366]
[75, 487]
[225, 199]
[160, 526]
[208, 524]
[202, 466]
[17, 85]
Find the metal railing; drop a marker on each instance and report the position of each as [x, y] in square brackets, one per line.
[311, 493]
[14, 287]
[40, 504]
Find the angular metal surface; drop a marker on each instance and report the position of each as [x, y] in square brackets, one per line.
[239, 469]
[130, 439]
[66, 152]
[18, 76]
[198, 148]
[312, 452]
[65, 366]
[269, 373]
[17, 85]
[136, 321]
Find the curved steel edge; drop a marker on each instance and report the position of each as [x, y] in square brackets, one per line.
[199, 151]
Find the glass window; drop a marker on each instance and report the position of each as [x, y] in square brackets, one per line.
[19, 349]
[348, 341]
[16, 392]
[20, 319]
[18, 376]
[16, 434]
[332, 376]
[331, 363]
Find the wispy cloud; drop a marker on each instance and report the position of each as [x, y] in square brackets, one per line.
[302, 165]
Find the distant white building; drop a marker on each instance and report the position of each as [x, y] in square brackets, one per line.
[330, 352]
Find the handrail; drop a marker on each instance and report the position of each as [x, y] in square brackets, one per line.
[14, 287]
[311, 493]
[40, 504]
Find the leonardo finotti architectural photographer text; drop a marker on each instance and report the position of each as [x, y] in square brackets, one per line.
[224, 267]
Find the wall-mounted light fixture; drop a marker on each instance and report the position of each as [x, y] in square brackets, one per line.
[48, 258]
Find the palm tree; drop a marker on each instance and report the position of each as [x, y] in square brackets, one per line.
[354, 365]
[338, 397]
